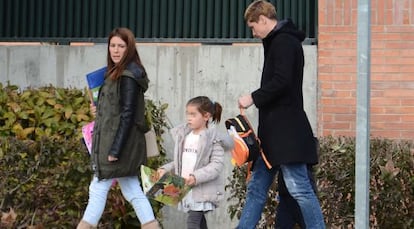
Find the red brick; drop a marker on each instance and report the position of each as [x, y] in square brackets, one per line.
[407, 118]
[377, 45]
[339, 15]
[327, 101]
[327, 118]
[399, 29]
[377, 93]
[338, 44]
[399, 44]
[336, 76]
[385, 101]
[387, 36]
[380, 12]
[408, 85]
[407, 102]
[399, 110]
[330, 9]
[326, 87]
[340, 133]
[377, 110]
[407, 69]
[377, 29]
[350, 85]
[338, 30]
[338, 125]
[388, 16]
[385, 68]
[397, 126]
[381, 76]
[328, 92]
[385, 118]
[399, 93]
[407, 134]
[398, 61]
[326, 68]
[407, 53]
[392, 134]
[337, 109]
[412, 13]
[345, 69]
[345, 117]
[385, 85]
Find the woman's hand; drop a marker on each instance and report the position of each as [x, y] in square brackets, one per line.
[112, 158]
[92, 109]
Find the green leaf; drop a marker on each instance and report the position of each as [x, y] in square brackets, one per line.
[68, 112]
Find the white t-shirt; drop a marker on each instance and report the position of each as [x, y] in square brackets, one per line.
[189, 157]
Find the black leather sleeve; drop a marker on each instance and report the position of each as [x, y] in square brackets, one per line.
[129, 91]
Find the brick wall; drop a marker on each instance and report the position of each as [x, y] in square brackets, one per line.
[392, 68]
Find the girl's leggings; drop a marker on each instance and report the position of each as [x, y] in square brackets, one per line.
[196, 220]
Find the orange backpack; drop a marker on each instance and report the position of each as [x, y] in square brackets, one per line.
[246, 144]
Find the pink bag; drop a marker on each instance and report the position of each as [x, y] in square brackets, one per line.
[87, 135]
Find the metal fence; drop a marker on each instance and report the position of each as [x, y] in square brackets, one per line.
[212, 21]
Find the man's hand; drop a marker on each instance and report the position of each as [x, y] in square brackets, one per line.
[245, 101]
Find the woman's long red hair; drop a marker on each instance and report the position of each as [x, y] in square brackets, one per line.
[130, 56]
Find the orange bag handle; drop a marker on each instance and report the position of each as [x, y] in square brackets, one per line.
[262, 154]
[242, 110]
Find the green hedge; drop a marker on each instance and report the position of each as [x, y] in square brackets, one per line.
[391, 185]
[44, 182]
[391, 182]
[44, 165]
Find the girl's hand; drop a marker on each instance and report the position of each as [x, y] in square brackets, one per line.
[190, 181]
[92, 109]
[160, 172]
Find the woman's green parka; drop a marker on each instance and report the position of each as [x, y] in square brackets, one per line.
[120, 125]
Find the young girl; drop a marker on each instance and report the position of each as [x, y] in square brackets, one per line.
[118, 137]
[199, 157]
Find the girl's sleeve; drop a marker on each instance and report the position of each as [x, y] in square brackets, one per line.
[169, 167]
[226, 141]
[214, 168]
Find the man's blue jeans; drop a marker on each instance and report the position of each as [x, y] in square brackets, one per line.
[299, 186]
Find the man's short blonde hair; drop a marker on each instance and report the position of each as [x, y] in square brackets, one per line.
[257, 8]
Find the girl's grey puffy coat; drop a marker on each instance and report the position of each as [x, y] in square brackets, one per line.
[208, 170]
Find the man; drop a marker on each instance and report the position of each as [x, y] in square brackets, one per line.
[284, 130]
[288, 212]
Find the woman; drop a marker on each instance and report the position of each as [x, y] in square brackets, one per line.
[118, 147]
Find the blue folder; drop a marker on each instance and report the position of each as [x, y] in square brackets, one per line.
[95, 79]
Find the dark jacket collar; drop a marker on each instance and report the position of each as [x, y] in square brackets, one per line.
[285, 26]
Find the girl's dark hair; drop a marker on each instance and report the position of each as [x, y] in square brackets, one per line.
[131, 53]
[205, 105]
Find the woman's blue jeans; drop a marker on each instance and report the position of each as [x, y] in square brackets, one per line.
[297, 183]
[131, 190]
